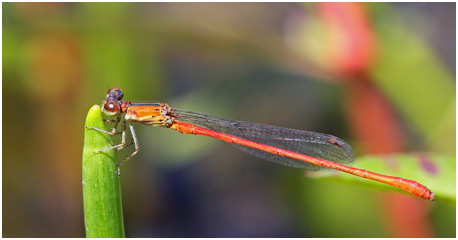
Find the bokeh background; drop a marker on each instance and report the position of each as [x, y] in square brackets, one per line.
[379, 75]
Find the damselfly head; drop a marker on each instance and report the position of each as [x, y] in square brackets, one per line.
[115, 94]
[111, 108]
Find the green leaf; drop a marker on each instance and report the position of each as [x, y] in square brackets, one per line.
[101, 185]
[417, 82]
[437, 172]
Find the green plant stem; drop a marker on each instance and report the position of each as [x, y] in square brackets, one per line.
[101, 184]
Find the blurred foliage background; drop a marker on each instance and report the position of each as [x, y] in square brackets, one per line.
[379, 75]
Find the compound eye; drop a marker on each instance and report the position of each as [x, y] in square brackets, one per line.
[111, 107]
[115, 94]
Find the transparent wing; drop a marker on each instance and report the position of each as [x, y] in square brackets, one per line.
[313, 144]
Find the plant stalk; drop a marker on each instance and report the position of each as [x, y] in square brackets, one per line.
[101, 185]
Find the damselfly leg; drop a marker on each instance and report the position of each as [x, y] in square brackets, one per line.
[137, 146]
[123, 144]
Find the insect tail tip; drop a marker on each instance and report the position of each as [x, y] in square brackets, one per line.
[432, 196]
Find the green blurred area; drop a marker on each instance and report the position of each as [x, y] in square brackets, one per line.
[232, 60]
